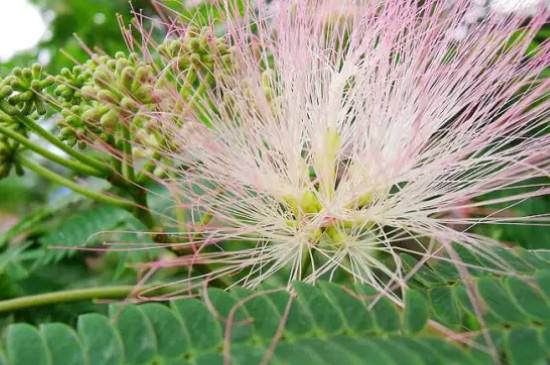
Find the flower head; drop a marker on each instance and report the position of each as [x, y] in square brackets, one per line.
[344, 134]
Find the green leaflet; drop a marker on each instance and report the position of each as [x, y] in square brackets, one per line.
[102, 344]
[335, 324]
[25, 346]
[63, 343]
[137, 334]
[323, 324]
[77, 230]
[416, 311]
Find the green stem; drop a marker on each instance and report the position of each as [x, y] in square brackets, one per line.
[71, 164]
[142, 212]
[121, 291]
[148, 168]
[189, 81]
[50, 175]
[197, 94]
[128, 157]
[29, 123]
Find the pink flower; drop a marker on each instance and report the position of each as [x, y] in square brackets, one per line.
[345, 134]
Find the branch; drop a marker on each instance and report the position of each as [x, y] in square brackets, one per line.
[105, 292]
[71, 164]
[50, 175]
[29, 123]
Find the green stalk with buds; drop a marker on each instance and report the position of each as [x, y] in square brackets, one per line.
[103, 104]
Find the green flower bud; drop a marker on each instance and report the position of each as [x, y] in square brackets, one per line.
[18, 85]
[40, 108]
[183, 62]
[95, 113]
[71, 140]
[36, 70]
[111, 64]
[106, 96]
[80, 80]
[74, 121]
[18, 72]
[144, 94]
[207, 59]
[89, 91]
[133, 57]
[128, 103]
[66, 132]
[101, 76]
[5, 91]
[65, 72]
[67, 93]
[8, 109]
[35, 84]
[196, 60]
[5, 119]
[222, 47]
[122, 63]
[27, 73]
[143, 74]
[48, 81]
[173, 46]
[195, 45]
[25, 96]
[109, 120]
[127, 77]
[226, 60]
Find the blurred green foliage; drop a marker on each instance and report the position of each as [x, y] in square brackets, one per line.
[94, 22]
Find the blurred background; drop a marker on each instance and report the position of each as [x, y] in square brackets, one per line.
[44, 31]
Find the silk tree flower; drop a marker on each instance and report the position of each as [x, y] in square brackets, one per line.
[528, 6]
[346, 133]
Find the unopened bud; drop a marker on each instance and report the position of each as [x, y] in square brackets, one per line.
[89, 91]
[95, 113]
[36, 70]
[106, 96]
[109, 120]
[40, 108]
[183, 62]
[195, 45]
[48, 81]
[27, 73]
[128, 103]
[5, 91]
[127, 77]
[144, 94]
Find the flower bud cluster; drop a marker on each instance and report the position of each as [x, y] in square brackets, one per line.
[193, 60]
[102, 92]
[8, 160]
[17, 97]
[8, 148]
[111, 98]
[24, 91]
[199, 50]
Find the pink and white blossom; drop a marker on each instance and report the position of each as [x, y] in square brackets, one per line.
[346, 133]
